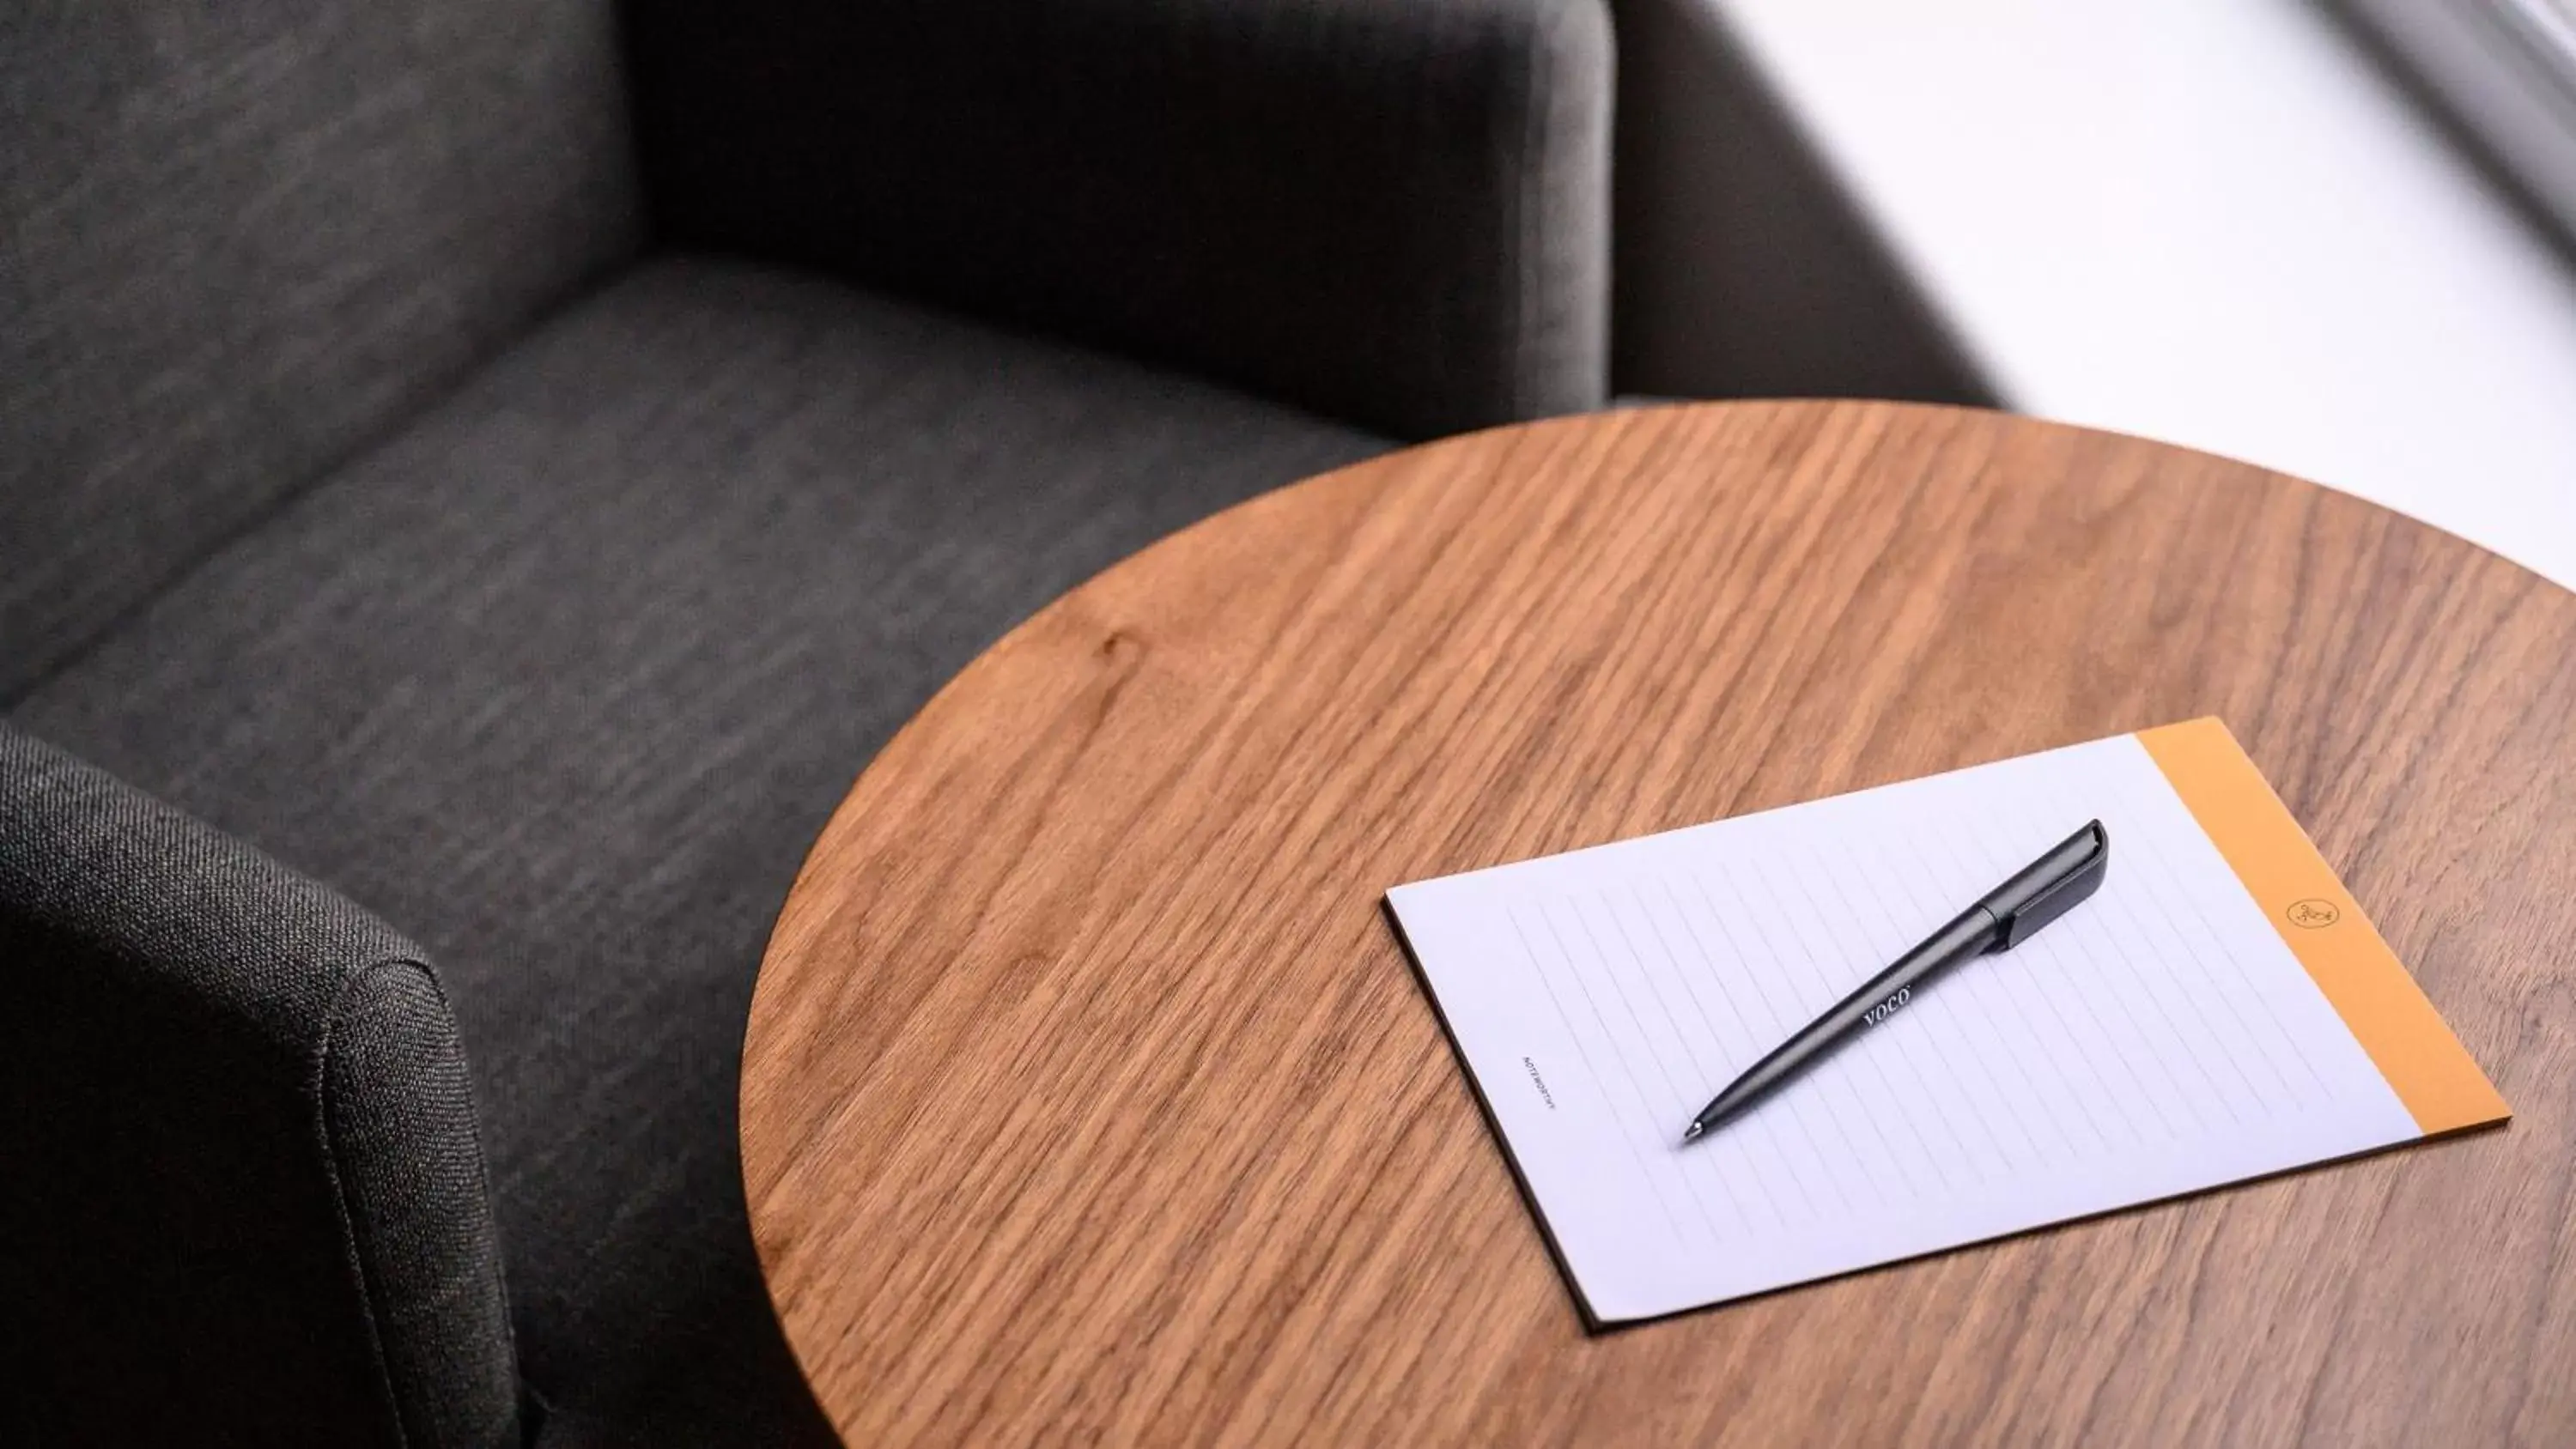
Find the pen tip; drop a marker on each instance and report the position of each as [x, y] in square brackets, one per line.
[1690, 1134]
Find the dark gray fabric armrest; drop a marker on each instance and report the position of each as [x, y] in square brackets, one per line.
[1393, 211]
[243, 1195]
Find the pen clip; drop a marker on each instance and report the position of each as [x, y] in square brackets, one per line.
[2074, 871]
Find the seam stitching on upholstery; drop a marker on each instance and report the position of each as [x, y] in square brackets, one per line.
[482, 1182]
[1532, 264]
[357, 1254]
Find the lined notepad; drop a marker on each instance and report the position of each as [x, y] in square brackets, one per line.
[2220, 1010]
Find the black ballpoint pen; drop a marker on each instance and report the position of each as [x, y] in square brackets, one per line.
[2008, 915]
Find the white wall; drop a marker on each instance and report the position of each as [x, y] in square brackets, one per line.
[2209, 221]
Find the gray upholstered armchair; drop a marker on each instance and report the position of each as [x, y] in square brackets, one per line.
[511, 461]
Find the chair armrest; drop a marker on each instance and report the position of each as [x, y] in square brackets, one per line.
[244, 1198]
[1392, 211]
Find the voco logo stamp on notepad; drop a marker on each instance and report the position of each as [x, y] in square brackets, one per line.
[2313, 914]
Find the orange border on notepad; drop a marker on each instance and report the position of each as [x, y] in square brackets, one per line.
[2397, 1026]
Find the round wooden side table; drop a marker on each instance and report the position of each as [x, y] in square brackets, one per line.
[1089, 1098]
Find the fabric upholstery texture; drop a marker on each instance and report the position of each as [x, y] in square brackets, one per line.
[568, 676]
[240, 242]
[242, 1185]
[362, 497]
[1391, 211]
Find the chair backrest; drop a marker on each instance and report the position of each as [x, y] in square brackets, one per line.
[244, 1196]
[1393, 212]
[239, 241]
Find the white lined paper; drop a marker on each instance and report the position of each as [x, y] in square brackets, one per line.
[2159, 1039]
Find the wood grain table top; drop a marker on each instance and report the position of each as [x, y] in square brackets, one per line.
[1088, 1097]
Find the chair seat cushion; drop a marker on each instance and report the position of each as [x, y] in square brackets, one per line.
[564, 680]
